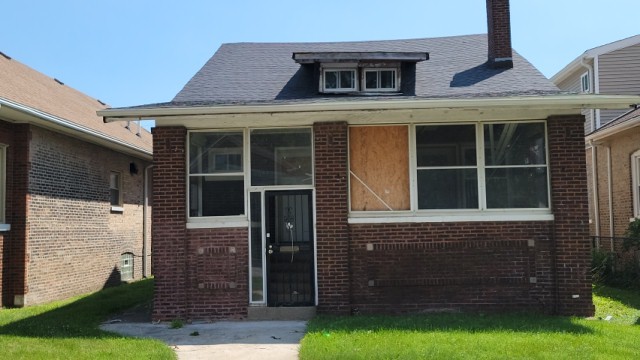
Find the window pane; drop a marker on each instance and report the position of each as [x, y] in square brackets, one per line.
[387, 79]
[114, 197]
[257, 293]
[281, 157]
[448, 189]
[219, 152]
[347, 79]
[514, 144]
[371, 79]
[446, 145]
[216, 195]
[331, 80]
[509, 188]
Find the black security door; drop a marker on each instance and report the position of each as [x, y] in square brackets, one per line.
[289, 240]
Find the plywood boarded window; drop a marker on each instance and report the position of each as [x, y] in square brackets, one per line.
[379, 168]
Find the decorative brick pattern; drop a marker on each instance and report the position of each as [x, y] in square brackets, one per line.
[65, 240]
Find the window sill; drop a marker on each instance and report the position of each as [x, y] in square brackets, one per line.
[223, 222]
[409, 217]
[117, 209]
[5, 227]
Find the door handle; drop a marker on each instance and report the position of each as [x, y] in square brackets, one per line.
[270, 251]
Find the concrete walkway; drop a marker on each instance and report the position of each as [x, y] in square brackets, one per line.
[259, 340]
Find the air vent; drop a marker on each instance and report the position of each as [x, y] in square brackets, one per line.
[5, 55]
[58, 81]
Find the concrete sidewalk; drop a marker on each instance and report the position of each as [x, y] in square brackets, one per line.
[259, 340]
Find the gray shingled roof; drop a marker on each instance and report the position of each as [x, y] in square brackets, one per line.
[265, 72]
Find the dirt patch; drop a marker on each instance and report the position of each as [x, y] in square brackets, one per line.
[138, 314]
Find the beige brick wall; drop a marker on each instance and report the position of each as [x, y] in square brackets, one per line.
[75, 241]
[622, 146]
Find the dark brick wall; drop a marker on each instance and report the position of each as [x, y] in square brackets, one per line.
[17, 136]
[218, 279]
[499, 30]
[168, 224]
[570, 208]
[65, 239]
[408, 267]
[330, 141]
[457, 266]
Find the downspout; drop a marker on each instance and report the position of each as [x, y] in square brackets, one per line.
[594, 181]
[145, 212]
[610, 194]
[596, 85]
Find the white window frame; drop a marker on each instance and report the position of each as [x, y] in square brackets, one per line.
[206, 222]
[635, 181]
[324, 88]
[482, 213]
[396, 79]
[3, 188]
[585, 83]
[203, 222]
[119, 207]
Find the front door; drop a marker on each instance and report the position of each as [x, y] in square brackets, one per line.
[289, 242]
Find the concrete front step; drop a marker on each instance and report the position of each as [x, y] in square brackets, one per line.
[281, 313]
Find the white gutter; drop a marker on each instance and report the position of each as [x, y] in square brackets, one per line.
[626, 125]
[582, 101]
[48, 119]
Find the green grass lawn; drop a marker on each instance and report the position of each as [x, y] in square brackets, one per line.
[468, 336]
[69, 329]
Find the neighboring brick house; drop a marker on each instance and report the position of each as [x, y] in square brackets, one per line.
[71, 191]
[613, 172]
[611, 135]
[379, 176]
[612, 69]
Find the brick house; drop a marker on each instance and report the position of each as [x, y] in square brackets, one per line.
[613, 173]
[611, 137]
[71, 191]
[360, 177]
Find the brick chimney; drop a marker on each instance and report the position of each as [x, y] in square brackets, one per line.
[499, 34]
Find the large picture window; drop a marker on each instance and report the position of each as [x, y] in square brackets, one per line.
[488, 166]
[216, 174]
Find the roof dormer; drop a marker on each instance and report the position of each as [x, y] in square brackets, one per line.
[359, 72]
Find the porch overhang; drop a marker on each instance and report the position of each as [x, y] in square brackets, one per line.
[374, 110]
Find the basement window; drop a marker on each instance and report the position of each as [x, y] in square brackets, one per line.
[126, 266]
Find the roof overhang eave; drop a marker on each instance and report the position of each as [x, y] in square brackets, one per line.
[43, 119]
[601, 135]
[563, 102]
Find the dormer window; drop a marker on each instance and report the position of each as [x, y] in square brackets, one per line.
[380, 80]
[336, 80]
[360, 72]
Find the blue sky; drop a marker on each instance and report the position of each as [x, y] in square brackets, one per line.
[132, 52]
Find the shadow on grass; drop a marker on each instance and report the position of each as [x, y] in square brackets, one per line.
[77, 319]
[535, 323]
[627, 297]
